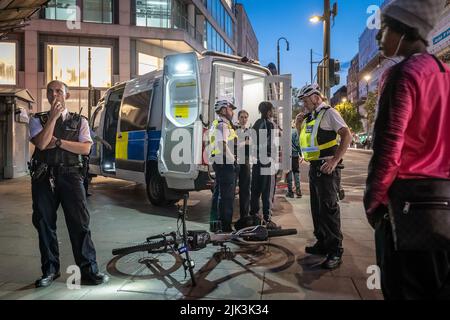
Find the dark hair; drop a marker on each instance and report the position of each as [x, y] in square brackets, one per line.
[411, 34]
[264, 108]
[241, 112]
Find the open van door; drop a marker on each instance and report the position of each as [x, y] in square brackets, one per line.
[278, 91]
[180, 150]
[96, 126]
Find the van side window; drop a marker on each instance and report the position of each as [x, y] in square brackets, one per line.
[134, 112]
[97, 118]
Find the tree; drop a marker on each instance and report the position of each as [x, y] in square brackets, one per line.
[371, 109]
[351, 116]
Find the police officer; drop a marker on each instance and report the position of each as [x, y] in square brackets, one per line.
[318, 141]
[263, 181]
[243, 167]
[222, 140]
[61, 139]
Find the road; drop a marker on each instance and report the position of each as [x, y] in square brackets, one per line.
[121, 215]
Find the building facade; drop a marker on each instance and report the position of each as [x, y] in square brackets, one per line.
[339, 96]
[247, 45]
[353, 81]
[118, 39]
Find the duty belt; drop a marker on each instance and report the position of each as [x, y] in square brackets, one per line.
[66, 170]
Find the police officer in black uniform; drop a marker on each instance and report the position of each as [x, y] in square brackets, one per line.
[61, 139]
[319, 143]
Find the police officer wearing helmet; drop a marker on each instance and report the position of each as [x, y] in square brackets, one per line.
[319, 144]
[61, 139]
[222, 141]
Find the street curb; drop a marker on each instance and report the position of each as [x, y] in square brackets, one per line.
[361, 151]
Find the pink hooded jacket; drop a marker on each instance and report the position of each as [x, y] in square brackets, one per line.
[414, 133]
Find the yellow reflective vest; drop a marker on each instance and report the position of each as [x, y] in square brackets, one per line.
[215, 150]
[311, 149]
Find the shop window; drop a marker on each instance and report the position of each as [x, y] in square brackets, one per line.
[148, 63]
[8, 62]
[70, 65]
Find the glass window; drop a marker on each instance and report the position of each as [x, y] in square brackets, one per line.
[61, 10]
[150, 13]
[70, 65]
[148, 63]
[134, 112]
[99, 11]
[7, 63]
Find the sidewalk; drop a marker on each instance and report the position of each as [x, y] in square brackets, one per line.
[120, 215]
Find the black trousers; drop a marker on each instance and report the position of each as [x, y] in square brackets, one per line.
[244, 189]
[69, 192]
[226, 182]
[263, 186]
[325, 208]
[409, 275]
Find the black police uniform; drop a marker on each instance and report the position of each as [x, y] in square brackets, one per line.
[243, 173]
[57, 178]
[324, 190]
[262, 186]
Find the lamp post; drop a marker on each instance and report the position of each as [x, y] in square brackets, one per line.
[326, 18]
[278, 52]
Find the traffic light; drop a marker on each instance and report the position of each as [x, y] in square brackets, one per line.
[335, 77]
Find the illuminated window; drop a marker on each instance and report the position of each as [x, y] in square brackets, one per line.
[7, 63]
[148, 63]
[70, 65]
[61, 10]
[100, 11]
[225, 85]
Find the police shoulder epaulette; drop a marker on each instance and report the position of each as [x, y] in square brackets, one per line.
[42, 116]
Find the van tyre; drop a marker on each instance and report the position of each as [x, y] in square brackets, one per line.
[156, 189]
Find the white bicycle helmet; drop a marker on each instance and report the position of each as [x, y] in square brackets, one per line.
[223, 104]
[309, 90]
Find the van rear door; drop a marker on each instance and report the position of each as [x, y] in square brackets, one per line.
[278, 91]
[97, 127]
[181, 137]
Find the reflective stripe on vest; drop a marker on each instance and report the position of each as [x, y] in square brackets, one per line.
[215, 150]
[308, 138]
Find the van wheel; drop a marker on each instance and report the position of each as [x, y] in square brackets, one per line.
[155, 189]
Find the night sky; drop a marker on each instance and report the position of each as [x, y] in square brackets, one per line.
[273, 19]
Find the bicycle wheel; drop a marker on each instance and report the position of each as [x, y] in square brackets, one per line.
[281, 232]
[151, 247]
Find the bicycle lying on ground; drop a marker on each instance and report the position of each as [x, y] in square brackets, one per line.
[184, 241]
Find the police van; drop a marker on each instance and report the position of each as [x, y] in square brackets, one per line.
[141, 119]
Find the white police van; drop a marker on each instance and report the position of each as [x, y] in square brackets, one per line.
[142, 119]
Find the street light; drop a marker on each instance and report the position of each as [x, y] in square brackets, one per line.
[344, 100]
[278, 51]
[316, 19]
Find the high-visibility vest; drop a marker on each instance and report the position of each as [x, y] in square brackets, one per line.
[309, 144]
[215, 150]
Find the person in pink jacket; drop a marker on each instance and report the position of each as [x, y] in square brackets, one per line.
[411, 156]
